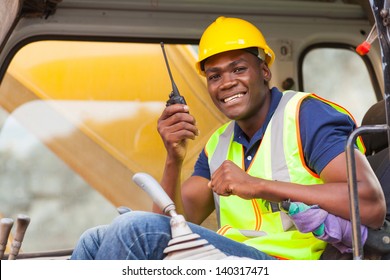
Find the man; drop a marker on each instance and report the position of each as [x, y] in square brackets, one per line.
[278, 146]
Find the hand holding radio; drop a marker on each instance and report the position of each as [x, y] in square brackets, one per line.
[176, 124]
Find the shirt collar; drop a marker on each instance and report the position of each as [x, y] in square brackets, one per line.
[239, 135]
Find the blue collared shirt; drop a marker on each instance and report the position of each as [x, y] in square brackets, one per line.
[324, 132]
[250, 147]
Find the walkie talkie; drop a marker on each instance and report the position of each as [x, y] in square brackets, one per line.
[174, 96]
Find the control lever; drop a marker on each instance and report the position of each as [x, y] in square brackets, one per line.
[22, 222]
[5, 229]
[156, 192]
[184, 243]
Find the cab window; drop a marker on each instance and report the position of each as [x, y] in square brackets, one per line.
[340, 75]
[77, 121]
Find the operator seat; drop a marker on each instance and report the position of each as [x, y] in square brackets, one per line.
[377, 153]
[377, 149]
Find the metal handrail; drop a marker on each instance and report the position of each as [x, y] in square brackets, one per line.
[381, 12]
[357, 247]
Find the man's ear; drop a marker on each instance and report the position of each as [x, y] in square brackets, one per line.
[266, 72]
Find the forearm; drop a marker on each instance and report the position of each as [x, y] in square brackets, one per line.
[171, 181]
[332, 197]
[175, 126]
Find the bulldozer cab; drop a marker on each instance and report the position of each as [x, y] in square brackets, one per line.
[84, 82]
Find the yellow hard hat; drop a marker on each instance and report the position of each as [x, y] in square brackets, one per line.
[226, 34]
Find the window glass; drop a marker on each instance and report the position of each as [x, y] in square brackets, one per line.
[341, 76]
[78, 120]
[36, 182]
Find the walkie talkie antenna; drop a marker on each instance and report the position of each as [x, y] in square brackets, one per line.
[175, 96]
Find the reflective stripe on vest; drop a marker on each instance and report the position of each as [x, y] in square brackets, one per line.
[277, 160]
[221, 151]
[279, 157]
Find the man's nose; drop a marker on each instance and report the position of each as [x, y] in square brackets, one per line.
[228, 81]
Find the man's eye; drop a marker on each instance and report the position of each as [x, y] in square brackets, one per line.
[213, 77]
[239, 69]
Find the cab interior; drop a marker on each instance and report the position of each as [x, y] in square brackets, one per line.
[84, 82]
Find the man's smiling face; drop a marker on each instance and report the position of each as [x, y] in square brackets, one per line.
[236, 83]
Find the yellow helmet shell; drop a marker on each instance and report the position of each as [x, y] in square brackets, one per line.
[227, 34]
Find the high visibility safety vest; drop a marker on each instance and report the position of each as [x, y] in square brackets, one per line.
[279, 157]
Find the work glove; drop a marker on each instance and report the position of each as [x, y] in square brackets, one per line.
[325, 226]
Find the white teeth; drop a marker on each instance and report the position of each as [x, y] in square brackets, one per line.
[233, 97]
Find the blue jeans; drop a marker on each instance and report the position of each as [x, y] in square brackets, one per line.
[139, 235]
